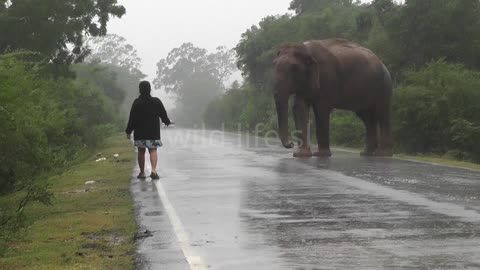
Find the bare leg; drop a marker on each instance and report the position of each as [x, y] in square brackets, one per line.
[141, 159]
[141, 162]
[370, 122]
[322, 119]
[301, 112]
[153, 159]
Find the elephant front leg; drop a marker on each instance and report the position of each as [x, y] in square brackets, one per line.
[322, 117]
[301, 112]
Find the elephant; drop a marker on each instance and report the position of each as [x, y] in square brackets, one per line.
[330, 74]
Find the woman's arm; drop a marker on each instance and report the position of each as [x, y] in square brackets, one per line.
[131, 119]
[163, 114]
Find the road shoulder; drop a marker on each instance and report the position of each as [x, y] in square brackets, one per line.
[426, 159]
[157, 243]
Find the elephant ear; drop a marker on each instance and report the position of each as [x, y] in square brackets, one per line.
[312, 65]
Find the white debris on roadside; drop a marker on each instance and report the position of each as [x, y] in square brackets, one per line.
[101, 159]
[90, 183]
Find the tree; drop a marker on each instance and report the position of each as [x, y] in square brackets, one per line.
[195, 77]
[257, 47]
[106, 78]
[186, 60]
[302, 6]
[114, 49]
[224, 60]
[112, 57]
[55, 28]
[426, 30]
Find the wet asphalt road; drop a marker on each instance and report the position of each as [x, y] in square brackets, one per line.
[227, 201]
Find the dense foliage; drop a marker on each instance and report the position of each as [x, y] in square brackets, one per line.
[241, 108]
[48, 123]
[53, 109]
[113, 57]
[57, 29]
[437, 110]
[435, 103]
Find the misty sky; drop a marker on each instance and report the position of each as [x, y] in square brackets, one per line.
[155, 27]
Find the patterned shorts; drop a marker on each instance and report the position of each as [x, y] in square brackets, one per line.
[150, 144]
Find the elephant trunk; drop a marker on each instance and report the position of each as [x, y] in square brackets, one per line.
[282, 113]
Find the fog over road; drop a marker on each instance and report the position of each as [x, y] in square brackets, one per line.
[226, 201]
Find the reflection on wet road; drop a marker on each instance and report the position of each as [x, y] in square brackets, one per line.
[227, 201]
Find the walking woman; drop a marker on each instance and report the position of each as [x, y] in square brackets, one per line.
[145, 125]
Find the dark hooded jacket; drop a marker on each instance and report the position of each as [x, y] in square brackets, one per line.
[144, 118]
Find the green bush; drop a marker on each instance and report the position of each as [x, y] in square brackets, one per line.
[346, 129]
[465, 137]
[45, 121]
[436, 110]
[46, 125]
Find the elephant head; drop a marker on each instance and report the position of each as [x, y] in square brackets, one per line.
[295, 72]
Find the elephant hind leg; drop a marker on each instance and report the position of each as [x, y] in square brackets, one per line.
[370, 121]
[383, 111]
[385, 147]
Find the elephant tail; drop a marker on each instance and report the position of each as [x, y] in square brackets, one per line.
[387, 79]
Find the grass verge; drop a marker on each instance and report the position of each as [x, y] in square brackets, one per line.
[440, 160]
[89, 226]
[431, 159]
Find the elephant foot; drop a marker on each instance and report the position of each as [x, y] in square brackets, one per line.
[383, 153]
[303, 153]
[323, 153]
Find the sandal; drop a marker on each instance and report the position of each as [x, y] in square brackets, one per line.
[154, 176]
[141, 176]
